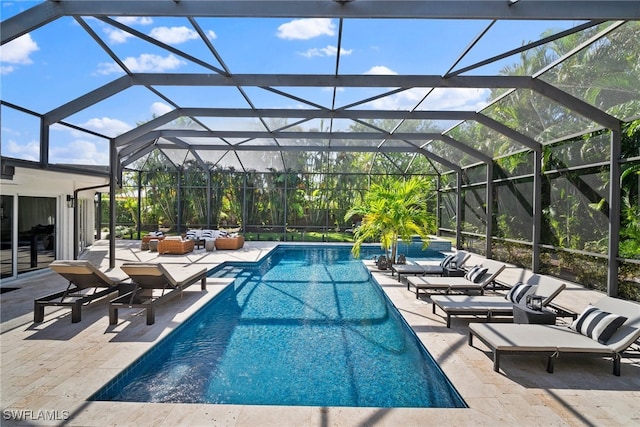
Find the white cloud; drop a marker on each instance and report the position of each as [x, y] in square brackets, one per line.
[135, 20]
[304, 29]
[405, 100]
[80, 152]
[6, 69]
[173, 35]
[144, 63]
[159, 108]
[471, 99]
[107, 126]
[117, 36]
[380, 70]
[17, 51]
[212, 35]
[28, 151]
[325, 51]
[452, 99]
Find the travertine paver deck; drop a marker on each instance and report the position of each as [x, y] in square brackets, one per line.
[49, 370]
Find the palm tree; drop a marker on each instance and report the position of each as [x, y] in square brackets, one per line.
[394, 209]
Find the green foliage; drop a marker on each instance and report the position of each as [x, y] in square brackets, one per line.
[393, 209]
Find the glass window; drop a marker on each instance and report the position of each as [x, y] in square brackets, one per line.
[6, 236]
[36, 232]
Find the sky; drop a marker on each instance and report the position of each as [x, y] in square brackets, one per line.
[61, 61]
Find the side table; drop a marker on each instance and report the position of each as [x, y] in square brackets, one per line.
[153, 245]
[209, 245]
[523, 314]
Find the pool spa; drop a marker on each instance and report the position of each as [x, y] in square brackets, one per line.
[307, 326]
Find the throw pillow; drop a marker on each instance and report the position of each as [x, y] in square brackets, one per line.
[597, 324]
[519, 291]
[477, 276]
[471, 271]
[445, 262]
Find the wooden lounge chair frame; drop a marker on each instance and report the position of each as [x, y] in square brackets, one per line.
[148, 279]
[82, 276]
[554, 341]
[457, 284]
[491, 306]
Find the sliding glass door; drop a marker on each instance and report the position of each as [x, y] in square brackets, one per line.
[36, 247]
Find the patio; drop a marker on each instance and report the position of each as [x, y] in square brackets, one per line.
[50, 369]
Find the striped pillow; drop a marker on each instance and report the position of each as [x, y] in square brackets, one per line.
[473, 270]
[597, 324]
[446, 261]
[477, 276]
[519, 291]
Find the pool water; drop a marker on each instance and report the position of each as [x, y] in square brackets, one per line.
[307, 326]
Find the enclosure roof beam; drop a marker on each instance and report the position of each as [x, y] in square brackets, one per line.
[88, 99]
[290, 148]
[508, 132]
[398, 9]
[465, 148]
[575, 104]
[329, 114]
[250, 134]
[331, 80]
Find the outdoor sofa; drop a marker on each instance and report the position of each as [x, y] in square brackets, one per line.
[491, 306]
[588, 335]
[86, 284]
[153, 285]
[477, 279]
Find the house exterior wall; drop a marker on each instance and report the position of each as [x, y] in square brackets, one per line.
[41, 183]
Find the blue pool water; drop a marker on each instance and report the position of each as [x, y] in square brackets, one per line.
[307, 326]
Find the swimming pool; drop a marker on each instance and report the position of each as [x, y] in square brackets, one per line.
[307, 326]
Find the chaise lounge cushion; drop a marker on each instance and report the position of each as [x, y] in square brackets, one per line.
[493, 306]
[554, 340]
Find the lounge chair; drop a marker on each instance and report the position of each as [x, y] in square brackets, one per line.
[154, 284]
[83, 277]
[492, 306]
[459, 258]
[555, 341]
[425, 268]
[477, 279]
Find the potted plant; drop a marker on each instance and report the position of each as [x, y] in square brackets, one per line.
[394, 209]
